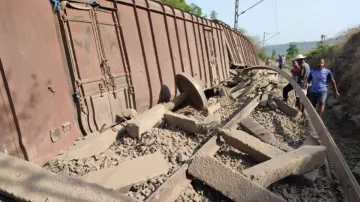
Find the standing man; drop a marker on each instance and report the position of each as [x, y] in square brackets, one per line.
[281, 61]
[318, 91]
[305, 72]
[295, 71]
[268, 62]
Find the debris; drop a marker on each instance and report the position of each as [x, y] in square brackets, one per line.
[272, 104]
[251, 145]
[264, 100]
[182, 157]
[296, 162]
[240, 86]
[25, 181]
[239, 94]
[227, 181]
[256, 129]
[223, 92]
[136, 127]
[292, 112]
[245, 112]
[212, 119]
[181, 121]
[310, 177]
[130, 172]
[129, 113]
[212, 109]
[93, 145]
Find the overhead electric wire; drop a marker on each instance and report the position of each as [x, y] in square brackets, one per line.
[251, 7]
[274, 8]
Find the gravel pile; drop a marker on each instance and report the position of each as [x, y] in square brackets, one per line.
[282, 126]
[177, 146]
[174, 144]
[287, 130]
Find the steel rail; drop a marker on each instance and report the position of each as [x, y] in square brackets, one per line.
[342, 170]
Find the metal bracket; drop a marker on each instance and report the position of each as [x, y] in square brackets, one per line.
[64, 17]
[66, 127]
[55, 134]
[102, 89]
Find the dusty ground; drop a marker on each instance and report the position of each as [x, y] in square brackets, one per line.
[287, 130]
[171, 142]
[174, 143]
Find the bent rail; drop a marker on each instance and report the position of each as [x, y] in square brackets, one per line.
[342, 171]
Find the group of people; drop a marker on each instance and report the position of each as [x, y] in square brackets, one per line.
[313, 82]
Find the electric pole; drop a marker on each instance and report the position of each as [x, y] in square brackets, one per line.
[264, 39]
[237, 14]
[267, 39]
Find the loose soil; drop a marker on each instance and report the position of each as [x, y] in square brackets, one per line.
[178, 145]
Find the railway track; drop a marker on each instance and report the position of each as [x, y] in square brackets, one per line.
[218, 154]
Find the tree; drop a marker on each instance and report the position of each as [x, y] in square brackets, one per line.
[213, 15]
[292, 51]
[256, 42]
[195, 9]
[180, 4]
[262, 54]
[192, 8]
[323, 37]
[273, 53]
[322, 40]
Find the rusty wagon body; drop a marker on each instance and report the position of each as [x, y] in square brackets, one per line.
[72, 72]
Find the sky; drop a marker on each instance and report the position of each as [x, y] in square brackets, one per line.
[297, 21]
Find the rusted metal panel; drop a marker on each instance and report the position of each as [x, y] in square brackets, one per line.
[154, 43]
[9, 140]
[240, 49]
[171, 41]
[205, 57]
[37, 80]
[98, 61]
[112, 56]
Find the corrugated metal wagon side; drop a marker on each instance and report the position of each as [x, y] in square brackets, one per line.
[240, 48]
[38, 115]
[125, 54]
[85, 64]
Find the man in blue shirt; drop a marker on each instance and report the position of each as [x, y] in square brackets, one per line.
[281, 61]
[318, 90]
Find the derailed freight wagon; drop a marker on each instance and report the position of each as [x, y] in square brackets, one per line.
[73, 71]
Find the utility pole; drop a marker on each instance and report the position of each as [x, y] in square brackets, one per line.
[267, 39]
[264, 39]
[237, 14]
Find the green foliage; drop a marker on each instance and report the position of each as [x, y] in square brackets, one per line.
[195, 9]
[323, 37]
[292, 51]
[256, 41]
[325, 51]
[322, 41]
[273, 53]
[191, 8]
[180, 4]
[213, 15]
[262, 54]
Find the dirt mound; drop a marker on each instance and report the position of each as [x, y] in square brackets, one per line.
[346, 69]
